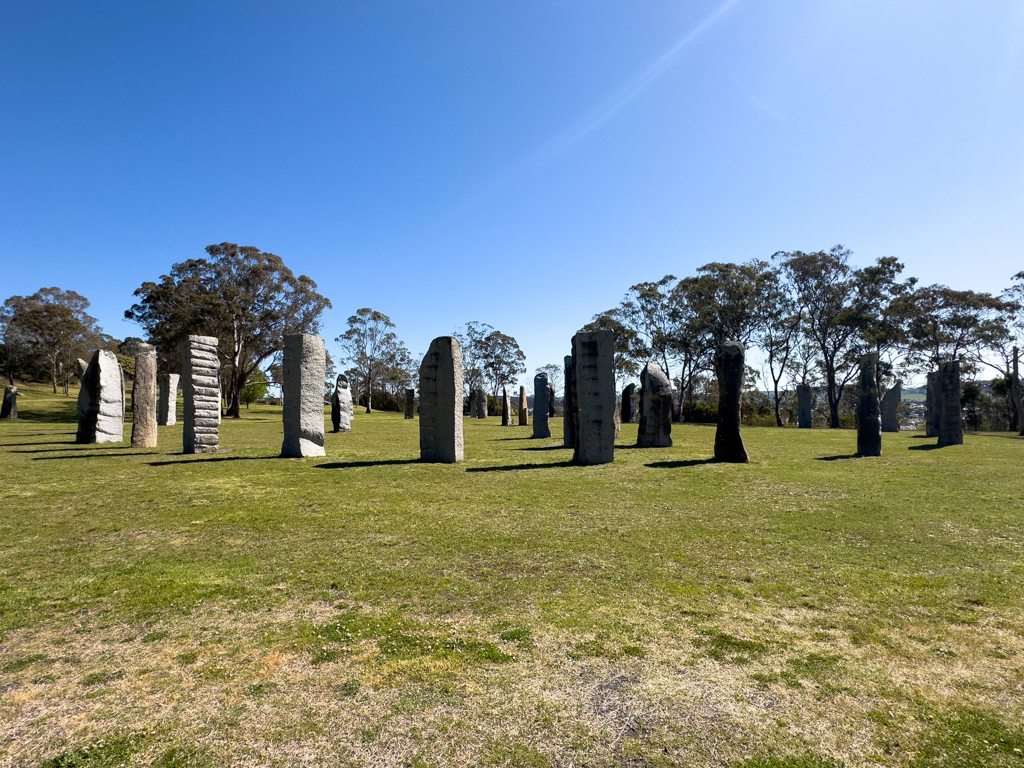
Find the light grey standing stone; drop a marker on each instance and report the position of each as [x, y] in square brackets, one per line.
[932, 405]
[481, 403]
[804, 420]
[167, 400]
[890, 402]
[305, 365]
[541, 393]
[200, 385]
[441, 388]
[410, 402]
[524, 408]
[869, 419]
[951, 423]
[506, 408]
[729, 367]
[9, 409]
[569, 405]
[341, 405]
[144, 398]
[101, 401]
[628, 407]
[594, 378]
[655, 429]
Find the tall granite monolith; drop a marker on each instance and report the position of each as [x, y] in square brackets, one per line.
[410, 402]
[803, 406]
[305, 366]
[628, 407]
[541, 393]
[341, 405]
[144, 398]
[951, 423]
[9, 409]
[441, 390]
[655, 429]
[524, 408]
[889, 405]
[932, 405]
[101, 401]
[480, 403]
[594, 412]
[167, 400]
[729, 369]
[869, 419]
[506, 408]
[200, 386]
[569, 405]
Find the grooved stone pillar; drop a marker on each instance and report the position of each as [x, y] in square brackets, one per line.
[305, 365]
[803, 406]
[594, 412]
[655, 408]
[441, 402]
[947, 386]
[869, 420]
[341, 405]
[410, 402]
[628, 409]
[569, 405]
[729, 368]
[541, 393]
[9, 409]
[480, 403]
[890, 402]
[101, 400]
[932, 405]
[144, 398]
[167, 400]
[506, 408]
[201, 388]
[524, 408]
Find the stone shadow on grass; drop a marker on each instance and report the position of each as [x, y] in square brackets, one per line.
[678, 464]
[837, 458]
[514, 467]
[91, 456]
[39, 450]
[929, 447]
[546, 448]
[355, 464]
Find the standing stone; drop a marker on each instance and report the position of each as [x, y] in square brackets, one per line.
[201, 387]
[524, 408]
[569, 405]
[101, 401]
[618, 421]
[144, 398]
[932, 406]
[803, 406]
[481, 403]
[551, 401]
[628, 409]
[305, 365]
[341, 405]
[869, 420]
[541, 393]
[1018, 402]
[9, 409]
[441, 402]
[951, 423]
[410, 402]
[167, 400]
[655, 408]
[890, 402]
[729, 368]
[595, 405]
[472, 405]
[506, 408]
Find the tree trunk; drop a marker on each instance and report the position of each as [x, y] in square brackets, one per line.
[778, 416]
[235, 397]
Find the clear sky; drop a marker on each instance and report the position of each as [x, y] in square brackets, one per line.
[517, 163]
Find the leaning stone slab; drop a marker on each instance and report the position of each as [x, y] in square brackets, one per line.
[655, 429]
[541, 393]
[506, 408]
[524, 408]
[144, 397]
[628, 408]
[569, 405]
[804, 419]
[594, 414]
[869, 419]
[890, 402]
[441, 388]
[199, 362]
[341, 405]
[9, 410]
[410, 402]
[950, 421]
[101, 401]
[729, 368]
[305, 365]
[167, 400]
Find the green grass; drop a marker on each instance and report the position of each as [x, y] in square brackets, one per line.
[514, 609]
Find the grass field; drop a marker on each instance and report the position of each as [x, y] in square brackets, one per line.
[809, 609]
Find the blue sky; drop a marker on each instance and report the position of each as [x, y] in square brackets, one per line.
[518, 163]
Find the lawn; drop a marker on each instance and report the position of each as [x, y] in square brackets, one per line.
[809, 609]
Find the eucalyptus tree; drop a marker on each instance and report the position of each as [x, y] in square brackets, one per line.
[370, 346]
[778, 332]
[947, 324]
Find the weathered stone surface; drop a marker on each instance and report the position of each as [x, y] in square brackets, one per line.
[932, 405]
[804, 419]
[869, 419]
[655, 429]
[441, 390]
[569, 405]
[506, 408]
[951, 423]
[304, 367]
[594, 378]
[202, 404]
[144, 398]
[341, 405]
[628, 406]
[410, 402]
[167, 400]
[9, 409]
[480, 403]
[524, 408]
[101, 401]
[729, 368]
[541, 395]
[890, 402]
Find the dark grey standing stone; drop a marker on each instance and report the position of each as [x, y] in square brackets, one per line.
[101, 401]
[729, 369]
[1018, 402]
[804, 419]
[305, 365]
[200, 385]
[541, 393]
[410, 402]
[506, 408]
[524, 408]
[341, 405]
[569, 405]
[655, 429]
[932, 405]
[869, 420]
[144, 398]
[951, 423]
[441, 390]
[628, 407]
[890, 402]
[472, 405]
[594, 380]
[480, 403]
[167, 400]
[551, 401]
[9, 409]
